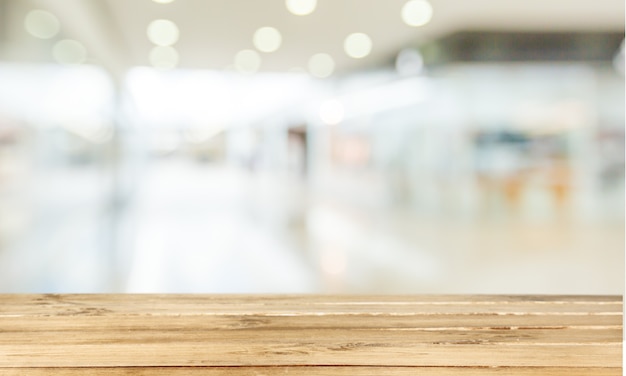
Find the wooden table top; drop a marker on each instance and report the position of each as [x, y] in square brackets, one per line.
[309, 335]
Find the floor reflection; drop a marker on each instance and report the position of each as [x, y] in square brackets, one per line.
[196, 227]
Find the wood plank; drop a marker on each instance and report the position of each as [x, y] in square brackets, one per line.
[305, 321]
[312, 371]
[81, 304]
[341, 353]
[312, 337]
[226, 331]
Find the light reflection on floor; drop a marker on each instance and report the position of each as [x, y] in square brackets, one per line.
[211, 228]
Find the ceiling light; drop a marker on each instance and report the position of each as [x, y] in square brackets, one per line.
[247, 61]
[358, 45]
[417, 12]
[163, 57]
[163, 32]
[301, 7]
[321, 65]
[331, 112]
[163, 1]
[42, 24]
[69, 51]
[267, 39]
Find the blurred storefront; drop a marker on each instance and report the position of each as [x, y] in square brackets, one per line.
[475, 162]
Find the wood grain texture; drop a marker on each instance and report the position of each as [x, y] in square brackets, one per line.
[312, 371]
[309, 334]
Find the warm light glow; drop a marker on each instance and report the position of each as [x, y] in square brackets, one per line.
[42, 24]
[247, 61]
[163, 1]
[333, 261]
[163, 32]
[163, 57]
[332, 112]
[321, 65]
[417, 12]
[301, 7]
[409, 62]
[358, 45]
[267, 39]
[69, 51]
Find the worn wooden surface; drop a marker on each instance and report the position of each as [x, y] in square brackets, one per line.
[309, 335]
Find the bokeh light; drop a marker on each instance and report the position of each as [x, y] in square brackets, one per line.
[267, 39]
[358, 45]
[247, 61]
[409, 62]
[321, 65]
[163, 32]
[417, 12]
[42, 24]
[301, 7]
[69, 51]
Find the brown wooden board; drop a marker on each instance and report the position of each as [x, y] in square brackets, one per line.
[310, 334]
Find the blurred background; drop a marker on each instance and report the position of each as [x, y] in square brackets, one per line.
[302, 146]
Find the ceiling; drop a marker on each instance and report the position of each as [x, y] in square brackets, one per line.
[213, 31]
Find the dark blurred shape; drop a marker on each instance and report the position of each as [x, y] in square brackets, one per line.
[475, 46]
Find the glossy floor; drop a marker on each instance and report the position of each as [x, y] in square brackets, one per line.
[211, 228]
